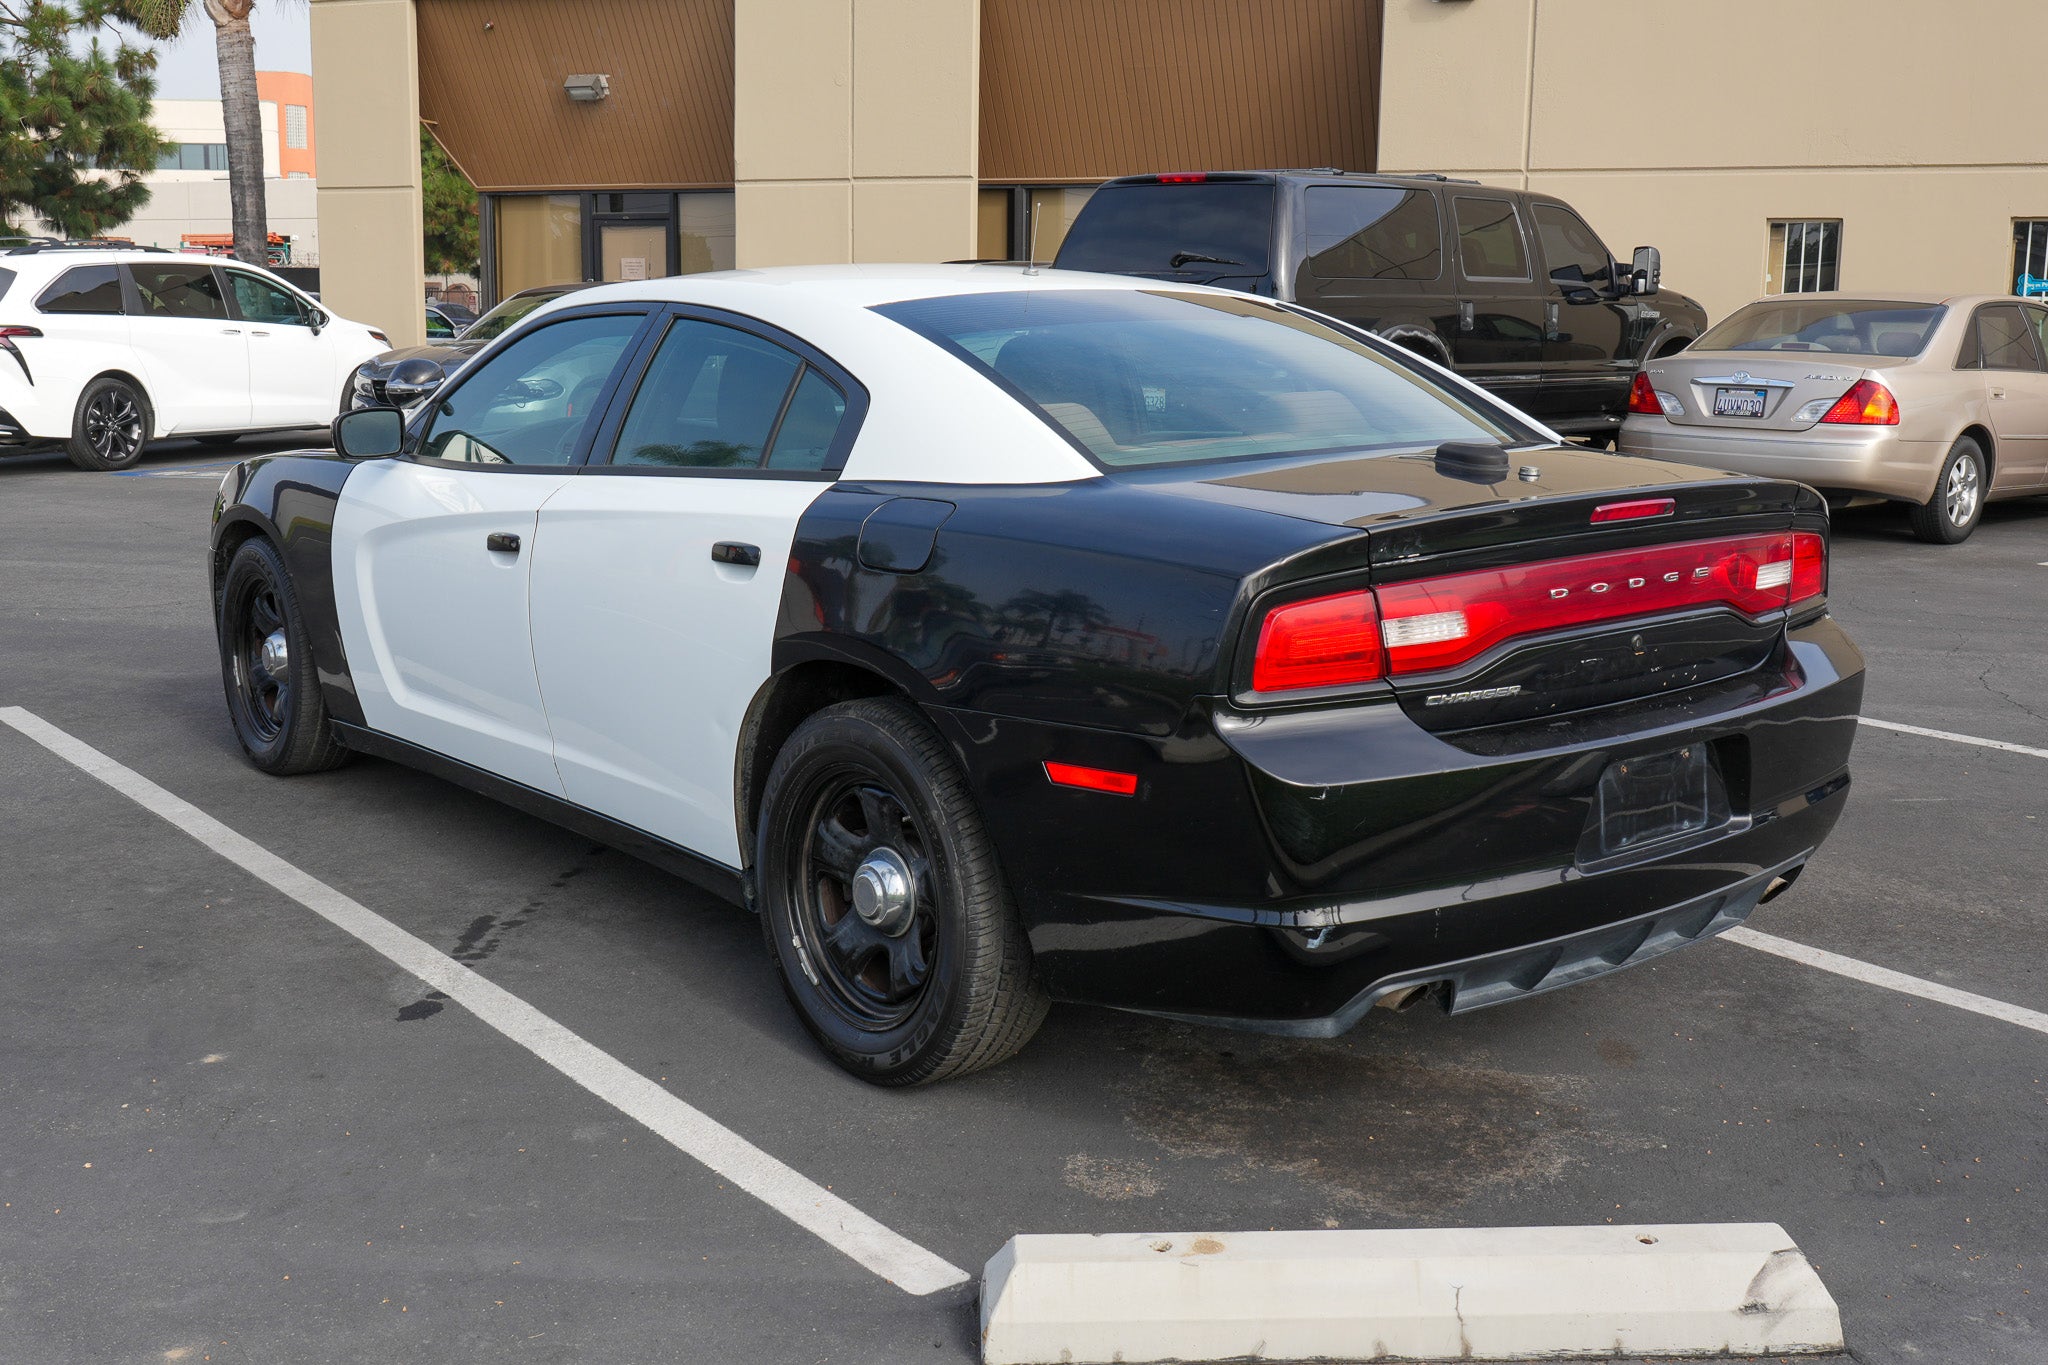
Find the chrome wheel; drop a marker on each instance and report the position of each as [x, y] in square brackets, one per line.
[1962, 489]
[866, 924]
[113, 425]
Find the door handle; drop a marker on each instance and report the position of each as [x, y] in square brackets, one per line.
[1998, 393]
[259, 334]
[502, 542]
[734, 552]
[1465, 318]
[231, 331]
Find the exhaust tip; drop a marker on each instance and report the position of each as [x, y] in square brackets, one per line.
[1780, 884]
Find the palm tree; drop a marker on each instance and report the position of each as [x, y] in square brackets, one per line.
[235, 48]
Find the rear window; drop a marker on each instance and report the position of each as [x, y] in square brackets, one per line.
[1144, 377]
[84, 289]
[1201, 231]
[1833, 326]
[1372, 232]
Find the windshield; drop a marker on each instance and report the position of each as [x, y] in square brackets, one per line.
[1142, 377]
[1198, 231]
[1832, 326]
[507, 313]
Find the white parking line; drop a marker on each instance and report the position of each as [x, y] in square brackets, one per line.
[1887, 978]
[804, 1202]
[1956, 738]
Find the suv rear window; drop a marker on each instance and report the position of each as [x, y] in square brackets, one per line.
[83, 289]
[1153, 229]
[1373, 232]
[1831, 326]
[1143, 377]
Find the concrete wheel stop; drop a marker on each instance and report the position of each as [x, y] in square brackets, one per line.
[1679, 1291]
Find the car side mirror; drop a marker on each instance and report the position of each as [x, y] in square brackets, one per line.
[369, 433]
[1646, 270]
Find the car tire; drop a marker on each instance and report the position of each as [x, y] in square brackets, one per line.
[266, 662]
[1952, 513]
[930, 977]
[110, 425]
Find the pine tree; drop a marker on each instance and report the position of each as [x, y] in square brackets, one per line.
[75, 131]
[448, 204]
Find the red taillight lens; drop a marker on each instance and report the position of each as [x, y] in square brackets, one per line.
[1809, 566]
[1323, 642]
[1632, 511]
[1091, 779]
[10, 333]
[1183, 178]
[1868, 404]
[1440, 623]
[1642, 398]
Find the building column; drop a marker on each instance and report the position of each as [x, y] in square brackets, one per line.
[366, 102]
[856, 128]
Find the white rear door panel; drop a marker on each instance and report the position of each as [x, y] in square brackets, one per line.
[649, 651]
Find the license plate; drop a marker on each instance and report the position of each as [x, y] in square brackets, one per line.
[1658, 797]
[1739, 402]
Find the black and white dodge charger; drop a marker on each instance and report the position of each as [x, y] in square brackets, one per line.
[1003, 635]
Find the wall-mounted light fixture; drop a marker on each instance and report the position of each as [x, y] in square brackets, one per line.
[588, 89]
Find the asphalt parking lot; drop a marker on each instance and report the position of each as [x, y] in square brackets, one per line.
[231, 1132]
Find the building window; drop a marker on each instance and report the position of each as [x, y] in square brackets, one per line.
[193, 156]
[642, 235]
[540, 240]
[1026, 222]
[2030, 256]
[1806, 256]
[295, 127]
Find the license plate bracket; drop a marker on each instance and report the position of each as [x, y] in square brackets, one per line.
[1651, 800]
[1740, 402]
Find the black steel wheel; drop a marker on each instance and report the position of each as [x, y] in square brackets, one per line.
[109, 427]
[274, 700]
[882, 903]
[1952, 513]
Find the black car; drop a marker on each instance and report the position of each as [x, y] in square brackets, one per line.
[1005, 635]
[1511, 289]
[400, 378]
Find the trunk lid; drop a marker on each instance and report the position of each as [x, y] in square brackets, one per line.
[1721, 388]
[1650, 580]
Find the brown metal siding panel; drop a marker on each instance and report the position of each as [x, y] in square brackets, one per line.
[1088, 89]
[491, 75]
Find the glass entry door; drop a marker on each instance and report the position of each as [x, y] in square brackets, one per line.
[632, 251]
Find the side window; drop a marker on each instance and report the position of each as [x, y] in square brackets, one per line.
[804, 439]
[1490, 240]
[2037, 318]
[710, 400]
[529, 403]
[258, 300]
[179, 291]
[2001, 340]
[84, 289]
[1573, 253]
[438, 327]
[1373, 232]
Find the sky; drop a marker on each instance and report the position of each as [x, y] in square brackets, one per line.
[185, 70]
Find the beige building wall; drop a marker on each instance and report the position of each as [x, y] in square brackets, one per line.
[366, 103]
[1691, 129]
[855, 128]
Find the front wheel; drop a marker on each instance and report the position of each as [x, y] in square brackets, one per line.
[109, 427]
[1951, 514]
[266, 664]
[882, 903]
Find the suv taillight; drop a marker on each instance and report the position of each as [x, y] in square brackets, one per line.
[1867, 404]
[1642, 398]
[1429, 625]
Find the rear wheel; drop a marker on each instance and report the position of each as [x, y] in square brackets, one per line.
[1951, 514]
[266, 664]
[883, 905]
[109, 427]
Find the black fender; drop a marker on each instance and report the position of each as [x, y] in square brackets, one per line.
[290, 500]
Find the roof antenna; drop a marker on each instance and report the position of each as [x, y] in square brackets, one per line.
[1031, 265]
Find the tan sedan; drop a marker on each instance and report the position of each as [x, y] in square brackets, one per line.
[1938, 402]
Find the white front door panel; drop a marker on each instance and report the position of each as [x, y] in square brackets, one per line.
[649, 651]
[197, 370]
[434, 622]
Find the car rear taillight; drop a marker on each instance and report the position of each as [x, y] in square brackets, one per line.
[1642, 398]
[1182, 178]
[10, 333]
[1323, 642]
[1432, 624]
[1868, 404]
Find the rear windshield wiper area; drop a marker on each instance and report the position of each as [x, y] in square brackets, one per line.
[1181, 258]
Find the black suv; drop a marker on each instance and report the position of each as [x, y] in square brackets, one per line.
[1511, 289]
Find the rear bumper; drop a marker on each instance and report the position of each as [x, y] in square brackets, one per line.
[1855, 459]
[1284, 872]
